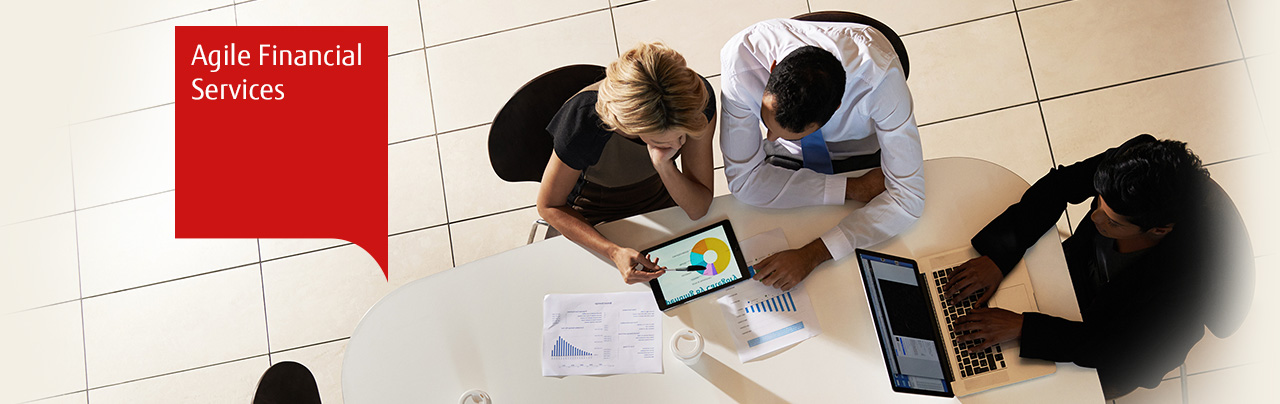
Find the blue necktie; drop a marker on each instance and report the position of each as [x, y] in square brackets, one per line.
[814, 150]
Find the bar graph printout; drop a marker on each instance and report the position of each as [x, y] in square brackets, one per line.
[763, 319]
[601, 334]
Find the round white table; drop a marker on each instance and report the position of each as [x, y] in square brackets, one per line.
[478, 326]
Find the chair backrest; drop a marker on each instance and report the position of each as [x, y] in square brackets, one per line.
[519, 145]
[287, 383]
[845, 16]
[1235, 273]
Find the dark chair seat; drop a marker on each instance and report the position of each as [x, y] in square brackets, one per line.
[845, 16]
[287, 383]
[519, 145]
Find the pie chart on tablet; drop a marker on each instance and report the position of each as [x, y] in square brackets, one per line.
[712, 253]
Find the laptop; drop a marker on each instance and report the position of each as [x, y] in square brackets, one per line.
[915, 325]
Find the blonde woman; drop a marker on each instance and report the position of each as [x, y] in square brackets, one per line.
[615, 147]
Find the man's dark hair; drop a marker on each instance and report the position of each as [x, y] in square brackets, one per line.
[1153, 183]
[807, 86]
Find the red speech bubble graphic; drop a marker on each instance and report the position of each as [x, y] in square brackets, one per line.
[282, 133]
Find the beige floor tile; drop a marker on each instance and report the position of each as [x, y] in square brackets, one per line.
[968, 68]
[174, 326]
[471, 187]
[279, 247]
[696, 29]
[131, 13]
[1012, 138]
[1168, 392]
[42, 268]
[1078, 212]
[1254, 341]
[44, 354]
[480, 238]
[1025, 4]
[1264, 71]
[472, 79]
[1248, 384]
[1211, 109]
[77, 398]
[36, 167]
[233, 382]
[123, 156]
[1255, 22]
[399, 16]
[131, 243]
[1240, 178]
[446, 20]
[415, 195]
[421, 253]
[409, 97]
[1087, 44]
[915, 15]
[133, 69]
[321, 296]
[325, 363]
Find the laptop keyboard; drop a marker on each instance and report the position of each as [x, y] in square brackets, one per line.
[969, 363]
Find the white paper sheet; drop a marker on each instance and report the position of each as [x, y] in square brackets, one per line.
[763, 319]
[601, 334]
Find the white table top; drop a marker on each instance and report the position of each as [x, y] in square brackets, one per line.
[478, 326]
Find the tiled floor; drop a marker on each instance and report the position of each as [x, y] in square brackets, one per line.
[112, 309]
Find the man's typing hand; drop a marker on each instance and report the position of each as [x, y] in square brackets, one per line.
[976, 276]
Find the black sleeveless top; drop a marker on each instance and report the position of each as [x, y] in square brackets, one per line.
[618, 179]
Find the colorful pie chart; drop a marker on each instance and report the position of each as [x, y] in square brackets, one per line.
[712, 253]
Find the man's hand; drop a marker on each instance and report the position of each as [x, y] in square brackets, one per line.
[989, 326]
[865, 188]
[626, 260]
[976, 276]
[786, 269]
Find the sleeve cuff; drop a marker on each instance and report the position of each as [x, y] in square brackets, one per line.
[837, 244]
[834, 192]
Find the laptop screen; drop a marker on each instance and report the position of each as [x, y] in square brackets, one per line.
[904, 324]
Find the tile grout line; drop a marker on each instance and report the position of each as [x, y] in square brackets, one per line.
[1248, 72]
[75, 220]
[1053, 160]
[176, 372]
[435, 127]
[232, 5]
[313, 344]
[444, 197]
[266, 319]
[617, 46]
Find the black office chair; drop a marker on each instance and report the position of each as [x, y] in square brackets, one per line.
[845, 16]
[519, 145]
[287, 383]
[1233, 282]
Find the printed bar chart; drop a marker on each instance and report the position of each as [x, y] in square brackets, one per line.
[562, 348]
[782, 302]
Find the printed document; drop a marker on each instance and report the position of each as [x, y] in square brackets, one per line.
[601, 334]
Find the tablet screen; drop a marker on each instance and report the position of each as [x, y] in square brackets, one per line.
[713, 248]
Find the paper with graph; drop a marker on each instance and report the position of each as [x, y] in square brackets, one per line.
[601, 334]
[763, 319]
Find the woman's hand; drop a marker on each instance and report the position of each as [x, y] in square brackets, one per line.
[661, 156]
[626, 259]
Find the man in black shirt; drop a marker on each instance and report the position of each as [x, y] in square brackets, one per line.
[1163, 254]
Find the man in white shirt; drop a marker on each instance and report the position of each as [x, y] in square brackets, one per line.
[829, 94]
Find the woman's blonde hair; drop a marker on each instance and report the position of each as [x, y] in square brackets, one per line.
[650, 89]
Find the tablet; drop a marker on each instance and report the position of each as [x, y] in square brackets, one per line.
[714, 248]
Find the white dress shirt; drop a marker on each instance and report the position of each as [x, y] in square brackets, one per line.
[875, 113]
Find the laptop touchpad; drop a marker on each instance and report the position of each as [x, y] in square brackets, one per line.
[1013, 298]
